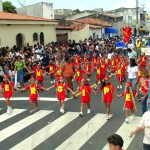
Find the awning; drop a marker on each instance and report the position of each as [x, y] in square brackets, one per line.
[111, 30]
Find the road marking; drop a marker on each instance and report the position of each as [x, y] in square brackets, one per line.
[46, 132]
[80, 137]
[27, 98]
[124, 131]
[7, 132]
[15, 112]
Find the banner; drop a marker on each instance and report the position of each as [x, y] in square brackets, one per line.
[146, 51]
[127, 31]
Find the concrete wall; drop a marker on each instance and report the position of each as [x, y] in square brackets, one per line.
[76, 35]
[8, 33]
[97, 32]
[42, 10]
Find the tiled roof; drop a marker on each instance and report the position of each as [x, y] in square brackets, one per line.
[18, 17]
[74, 26]
[92, 21]
[95, 27]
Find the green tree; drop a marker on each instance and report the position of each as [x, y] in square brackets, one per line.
[9, 7]
[76, 11]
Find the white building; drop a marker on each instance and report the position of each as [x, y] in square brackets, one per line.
[41, 10]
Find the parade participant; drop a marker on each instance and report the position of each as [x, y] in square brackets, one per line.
[58, 72]
[61, 88]
[51, 70]
[78, 74]
[68, 72]
[144, 124]
[119, 76]
[88, 69]
[84, 90]
[7, 89]
[129, 101]
[115, 142]
[142, 89]
[107, 94]
[39, 74]
[132, 71]
[98, 76]
[33, 96]
[143, 58]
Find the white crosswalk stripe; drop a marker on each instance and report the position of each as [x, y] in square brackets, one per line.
[15, 112]
[87, 131]
[46, 132]
[79, 137]
[22, 124]
[125, 130]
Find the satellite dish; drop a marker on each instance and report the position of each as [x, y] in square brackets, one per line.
[21, 2]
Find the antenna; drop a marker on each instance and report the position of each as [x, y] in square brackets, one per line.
[22, 4]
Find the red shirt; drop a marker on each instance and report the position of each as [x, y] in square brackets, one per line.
[88, 68]
[33, 90]
[7, 89]
[79, 74]
[85, 93]
[107, 92]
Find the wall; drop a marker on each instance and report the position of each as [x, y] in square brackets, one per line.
[42, 10]
[8, 33]
[98, 33]
[76, 35]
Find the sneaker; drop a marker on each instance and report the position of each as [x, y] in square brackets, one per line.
[51, 81]
[31, 112]
[88, 111]
[120, 86]
[81, 114]
[62, 111]
[127, 120]
[132, 117]
[107, 116]
[8, 111]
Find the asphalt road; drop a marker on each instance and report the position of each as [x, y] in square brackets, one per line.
[75, 133]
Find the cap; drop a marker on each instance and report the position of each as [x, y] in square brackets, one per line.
[129, 84]
[106, 78]
[31, 79]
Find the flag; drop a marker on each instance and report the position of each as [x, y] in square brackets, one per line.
[127, 31]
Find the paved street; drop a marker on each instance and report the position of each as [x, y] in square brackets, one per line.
[47, 129]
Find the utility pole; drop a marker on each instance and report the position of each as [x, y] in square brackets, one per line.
[137, 12]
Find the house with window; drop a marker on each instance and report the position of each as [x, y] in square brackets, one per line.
[20, 30]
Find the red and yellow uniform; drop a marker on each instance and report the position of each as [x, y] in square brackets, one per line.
[85, 93]
[7, 88]
[94, 61]
[99, 74]
[51, 69]
[119, 74]
[108, 90]
[61, 88]
[113, 65]
[33, 91]
[143, 58]
[103, 68]
[58, 73]
[88, 68]
[79, 75]
[128, 99]
[39, 75]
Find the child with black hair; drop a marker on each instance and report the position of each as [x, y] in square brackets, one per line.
[107, 94]
[84, 90]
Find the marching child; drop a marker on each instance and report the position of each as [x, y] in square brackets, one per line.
[61, 88]
[85, 90]
[119, 76]
[129, 103]
[51, 70]
[7, 89]
[107, 94]
[33, 97]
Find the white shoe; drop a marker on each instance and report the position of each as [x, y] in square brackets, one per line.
[107, 116]
[10, 109]
[127, 120]
[88, 111]
[62, 111]
[51, 81]
[120, 86]
[132, 117]
[31, 112]
[54, 81]
[81, 114]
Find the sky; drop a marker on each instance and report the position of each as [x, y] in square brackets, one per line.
[87, 4]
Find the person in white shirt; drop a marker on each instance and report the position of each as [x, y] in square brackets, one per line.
[144, 124]
[132, 71]
[131, 45]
